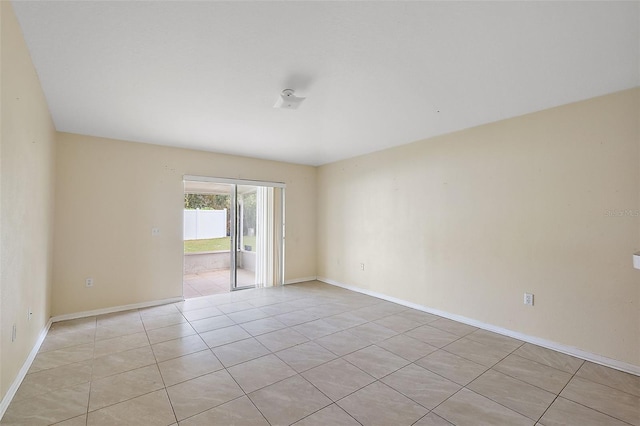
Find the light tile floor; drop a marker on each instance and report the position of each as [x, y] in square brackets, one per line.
[208, 283]
[308, 354]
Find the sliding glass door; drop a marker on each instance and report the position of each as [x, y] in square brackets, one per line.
[255, 232]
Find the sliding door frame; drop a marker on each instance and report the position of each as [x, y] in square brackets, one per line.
[234, 225]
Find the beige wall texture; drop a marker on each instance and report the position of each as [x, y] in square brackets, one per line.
[111, 193]
[26, 201]
[466, 223]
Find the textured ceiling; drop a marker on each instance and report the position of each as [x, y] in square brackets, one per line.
[205, 75]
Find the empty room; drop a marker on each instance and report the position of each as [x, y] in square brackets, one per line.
[320, 213]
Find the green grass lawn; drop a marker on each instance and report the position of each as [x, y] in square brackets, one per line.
[214, 244]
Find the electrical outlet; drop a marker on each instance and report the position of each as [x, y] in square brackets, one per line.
[14, 333]
[88, 282]
[155, 232]
[528, 299]
[362, 266]
[29, 314]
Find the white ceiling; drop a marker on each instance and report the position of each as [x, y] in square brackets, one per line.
[205, 75]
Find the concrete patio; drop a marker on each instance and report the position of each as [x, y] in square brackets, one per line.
[207, 283]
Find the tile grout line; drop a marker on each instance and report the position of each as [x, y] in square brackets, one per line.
[558, 394]
[476, 362]
[123, 372]
[451, 396]
[330, 399]
[471, 390]
[86, 419]
[579, 403]
[246, 395]
[461, 386]
[160, 373]
[531, 384]
[602, 384]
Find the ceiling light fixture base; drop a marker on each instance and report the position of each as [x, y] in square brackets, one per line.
[288, 100]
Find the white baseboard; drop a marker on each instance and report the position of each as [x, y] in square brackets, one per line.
[11, 392]
[300, 280]
[113, 309]
[565, 349]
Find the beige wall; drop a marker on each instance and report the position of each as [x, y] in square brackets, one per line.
[111, 193]
[468, 222]
[26, 201]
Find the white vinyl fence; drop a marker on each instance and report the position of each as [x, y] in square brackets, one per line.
[204, 224]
